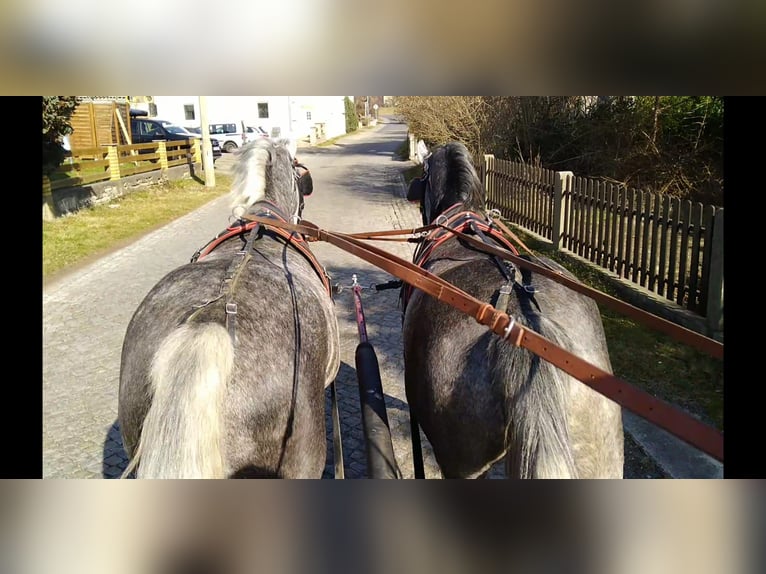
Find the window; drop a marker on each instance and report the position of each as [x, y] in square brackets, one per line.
[263, 110]
[188, 111]
[152, 110]
[308, 115]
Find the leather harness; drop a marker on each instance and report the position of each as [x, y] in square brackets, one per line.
[271, 213]
[661, 413]
[456, 219]
[269, 223]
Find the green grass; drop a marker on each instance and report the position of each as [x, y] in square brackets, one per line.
[74, 239]
[648, 359]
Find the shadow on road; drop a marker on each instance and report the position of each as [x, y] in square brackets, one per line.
[115, 458]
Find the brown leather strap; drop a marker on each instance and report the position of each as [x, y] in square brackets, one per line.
[661, 413]
[380, 235]
[682, 334]
[511, 234]
[281, 228]
[687, 336]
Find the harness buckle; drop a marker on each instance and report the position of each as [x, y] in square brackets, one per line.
[231, 308]
[508, 329]
[493, 214]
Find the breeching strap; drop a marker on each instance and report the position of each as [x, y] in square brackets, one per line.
[663, 414]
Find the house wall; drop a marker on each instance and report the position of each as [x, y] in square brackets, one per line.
[288, 113]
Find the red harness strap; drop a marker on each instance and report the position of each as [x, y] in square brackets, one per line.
[293, 239]
[460, 222]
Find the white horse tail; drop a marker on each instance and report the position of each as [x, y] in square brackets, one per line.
[183, 431]
[537, 436]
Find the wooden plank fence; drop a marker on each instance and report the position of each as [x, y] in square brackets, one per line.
[668, 246]
[113, 162]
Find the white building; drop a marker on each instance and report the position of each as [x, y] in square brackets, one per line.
[278, 115]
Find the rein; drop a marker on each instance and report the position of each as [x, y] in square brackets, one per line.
[661, 413]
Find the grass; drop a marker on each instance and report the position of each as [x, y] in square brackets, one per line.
[74, 239]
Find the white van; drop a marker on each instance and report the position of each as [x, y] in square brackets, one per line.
[230, 135]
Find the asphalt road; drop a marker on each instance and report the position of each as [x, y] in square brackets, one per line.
[358, 187]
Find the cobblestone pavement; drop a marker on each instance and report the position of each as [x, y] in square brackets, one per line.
[358, 187]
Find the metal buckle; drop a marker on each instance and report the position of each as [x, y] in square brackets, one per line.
[507, 331]
[231, 308]
[493, 214]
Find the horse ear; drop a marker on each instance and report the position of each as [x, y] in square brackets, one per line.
[306, 183]
[422, 151]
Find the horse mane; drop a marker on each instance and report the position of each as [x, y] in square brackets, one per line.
[453, 174]
[252, 174]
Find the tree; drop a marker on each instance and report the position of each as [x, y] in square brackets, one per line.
[439, 119]
[352, 121]
[57, 112]
[668, 144]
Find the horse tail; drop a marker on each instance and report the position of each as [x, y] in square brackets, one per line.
[537, 435]
[183, 430]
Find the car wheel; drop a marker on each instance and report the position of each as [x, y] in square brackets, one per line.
[229, 147]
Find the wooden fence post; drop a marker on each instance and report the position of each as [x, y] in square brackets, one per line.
[489, 162]
[196, 151]
[114, 162]
[562, 185]
[48, 206]
[715, 282]
[163, 151]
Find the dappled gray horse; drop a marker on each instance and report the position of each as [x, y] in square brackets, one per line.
[477, 397]
[225, 362]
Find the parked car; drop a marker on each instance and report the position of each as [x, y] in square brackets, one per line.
[197, 132]
[230, 135]
[255, 133]
[147, 130]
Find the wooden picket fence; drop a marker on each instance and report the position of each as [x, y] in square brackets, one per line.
[671, 247]
[113, 162]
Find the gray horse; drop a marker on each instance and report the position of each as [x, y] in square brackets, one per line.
[226, 360]
[478, 398]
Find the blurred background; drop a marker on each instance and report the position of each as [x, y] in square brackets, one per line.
[520, 47]
[232, 527]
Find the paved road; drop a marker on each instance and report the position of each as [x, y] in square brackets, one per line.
[358, 186]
